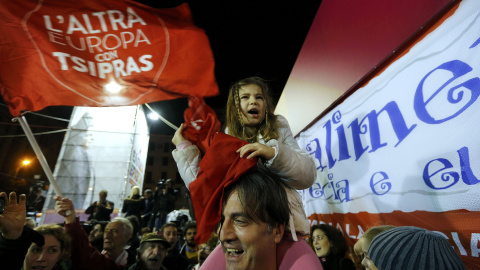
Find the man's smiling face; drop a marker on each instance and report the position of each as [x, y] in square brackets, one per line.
[247, 244]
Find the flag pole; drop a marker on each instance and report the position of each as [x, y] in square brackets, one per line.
[41, 158]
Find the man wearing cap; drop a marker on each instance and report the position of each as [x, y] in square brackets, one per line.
[152, 251]
[410, 247]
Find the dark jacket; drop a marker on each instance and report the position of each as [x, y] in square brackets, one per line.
[134, 206]
[12, 252]
[149, 204]
[333, 262]
[85, 256]
[164, 203]
[100, 211]
[139, 266]
[175, 261]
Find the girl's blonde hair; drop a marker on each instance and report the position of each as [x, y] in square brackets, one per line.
[135, 191]
[59, 233]
[234, 122]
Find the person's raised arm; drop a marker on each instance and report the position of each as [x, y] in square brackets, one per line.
[187, 157]
[13, 218]
[64, 207]
[15, 238]
[178, 136]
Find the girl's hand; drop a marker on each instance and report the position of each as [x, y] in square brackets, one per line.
[256, 150]
[64, 207]
[13, 217]
[178, 137]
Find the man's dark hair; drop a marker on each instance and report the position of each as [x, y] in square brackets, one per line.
[190, 225]
[263, 197]
[169, 224]
[103, 224]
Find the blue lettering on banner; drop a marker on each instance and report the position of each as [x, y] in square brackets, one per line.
[451, 177]
[455, 94]
[460, 96]
[380, 186]
[316, 151]
[339, 191]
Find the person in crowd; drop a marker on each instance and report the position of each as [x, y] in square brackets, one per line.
[204, 249]
[151, 253]
[250, 117]
[409, 247]
[164, 204]
[330, 247]
[254, 221]
[134, 205]
[134, 241]
[189, 248]
[47, 247]
[35, 200]
[149, 203]
[30, 222]
[115, 238]
[173, 260]
[101, 209]
[170, 187]
[361, 246]
[95, 236]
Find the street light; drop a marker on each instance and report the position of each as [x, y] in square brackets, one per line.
[24, 163]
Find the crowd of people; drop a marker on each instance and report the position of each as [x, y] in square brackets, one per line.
[254, 229]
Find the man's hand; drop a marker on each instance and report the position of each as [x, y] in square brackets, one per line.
[13, 218]
[256, 150]
[178, 137]
[65, 208]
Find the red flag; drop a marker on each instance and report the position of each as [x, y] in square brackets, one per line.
[220, 167]
[57, 52]
[202, 123]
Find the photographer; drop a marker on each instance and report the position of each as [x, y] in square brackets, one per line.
[164, 204]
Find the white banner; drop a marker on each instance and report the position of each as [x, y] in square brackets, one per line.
[405, 149]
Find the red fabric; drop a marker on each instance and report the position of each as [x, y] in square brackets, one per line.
[202, 123]
[220, 167]
[63, 53]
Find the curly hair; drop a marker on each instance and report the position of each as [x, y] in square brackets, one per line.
[190, 225]
[234, 121]
[335, 237]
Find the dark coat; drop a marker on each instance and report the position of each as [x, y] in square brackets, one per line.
[134, 206]
[100, 211]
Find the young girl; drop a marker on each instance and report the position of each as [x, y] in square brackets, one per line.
[250, 117]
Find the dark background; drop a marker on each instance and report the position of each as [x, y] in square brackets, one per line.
[248, 38]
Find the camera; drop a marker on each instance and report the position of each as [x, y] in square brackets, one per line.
[2, 204]
[161, 184]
